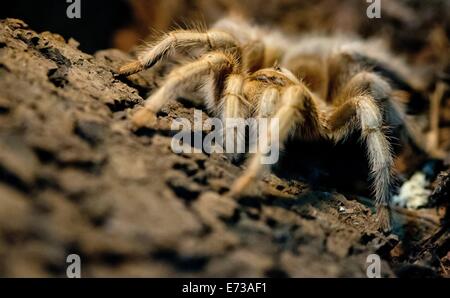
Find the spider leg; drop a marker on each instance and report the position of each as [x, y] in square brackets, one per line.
[297, 105]
[212, 40]
[268, 107]
[180, 79]
[269, 103]
[234, 106]
[364, 108]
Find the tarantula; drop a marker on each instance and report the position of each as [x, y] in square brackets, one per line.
[318, 87]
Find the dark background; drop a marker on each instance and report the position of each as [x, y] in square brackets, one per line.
[99, 19]
[409, 26]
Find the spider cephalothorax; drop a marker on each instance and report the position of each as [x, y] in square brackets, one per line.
[323, 88]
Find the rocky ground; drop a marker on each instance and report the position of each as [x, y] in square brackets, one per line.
[75, 179]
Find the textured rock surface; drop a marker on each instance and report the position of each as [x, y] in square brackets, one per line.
[75, 179]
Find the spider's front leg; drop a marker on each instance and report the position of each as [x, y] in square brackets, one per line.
[211, 40]
[179, 80]
[296, 107]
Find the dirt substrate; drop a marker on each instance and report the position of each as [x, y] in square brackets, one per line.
[75, 179]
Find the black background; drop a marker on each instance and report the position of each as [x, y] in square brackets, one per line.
[99, 19]
[298, 288]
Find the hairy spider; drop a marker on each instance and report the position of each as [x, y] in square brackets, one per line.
[318, 87]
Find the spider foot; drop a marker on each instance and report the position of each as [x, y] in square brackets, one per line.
[143, 118]
[130, 68]
[240, 185]
[383, 217]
